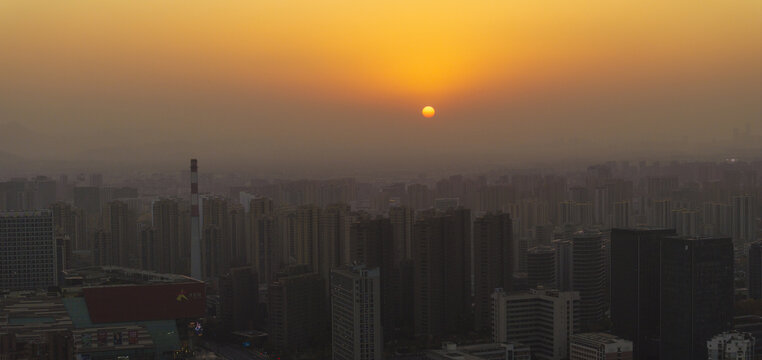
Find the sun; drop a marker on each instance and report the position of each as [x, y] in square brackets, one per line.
[428, 111]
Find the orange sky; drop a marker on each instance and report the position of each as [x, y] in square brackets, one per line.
[255, 64]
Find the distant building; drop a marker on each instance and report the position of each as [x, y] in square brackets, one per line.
[121, 223]
[743, 227]
[622, 214]
[597, 346]
[333, 246]
[685, 222]
[147, 251]
[541, 267]
[443, 204]
[356, 313]
[493, 351]
[70, 221]
[755, 270]
[88, 198]
[165, 217]
[28, 257]
[542, 319]
[493, 263]
[216, 246]
[731, 345]
[563, 264]
[265, 252]
[696, 294]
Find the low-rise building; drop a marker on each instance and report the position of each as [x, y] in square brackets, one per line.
[599, 346]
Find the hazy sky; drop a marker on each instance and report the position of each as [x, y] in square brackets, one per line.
[316, 80]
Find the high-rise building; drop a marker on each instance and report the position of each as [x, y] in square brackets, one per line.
[685, 222]
[635, 287]
[294, 323]
[333, 249]
[121, 223]
[563, 264]
[148, 248]
[419, 196]
[237, 233]
[716, 218]
[401, 218]
[596, 346]
[542, 319]
[743, 227]
[72, 222]
[27, 250]
[754, 273]
[622, 214]
[588, 276]
[96, 180]
[696, 294]
[211, 239]
[102, 248]
[266, 252]
[195, 224]
[493, 263]
[306, 237]
[166, 225]
[731, 345]
[660, 188]
[356, 313]
[442, 258]
[372, 244]
[239, 298]
[88, 198]
[215, 239]
[541, 267]
[44, 192]
[660, 214]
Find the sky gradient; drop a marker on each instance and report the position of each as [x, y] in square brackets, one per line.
[346, 79]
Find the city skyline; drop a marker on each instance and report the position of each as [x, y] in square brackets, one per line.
[381, 180]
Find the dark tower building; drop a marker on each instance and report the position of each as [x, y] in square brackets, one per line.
[442, 253]
[265, 252]
[635, 282]
[541, 267]
[755, 270]
[589, 277]
[216, 234]
[237, 233]
[294, 323]
[696, 294]
[148, 248]
[210, 252]
[121, 222]
[493, 263]
[371, 243]
[239, 298]
[166, 226]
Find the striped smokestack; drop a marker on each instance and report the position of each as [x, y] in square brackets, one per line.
[195, 231]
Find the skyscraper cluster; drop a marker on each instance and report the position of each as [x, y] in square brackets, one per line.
[641, 259]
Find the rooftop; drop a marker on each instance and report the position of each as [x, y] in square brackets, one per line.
[114, 275]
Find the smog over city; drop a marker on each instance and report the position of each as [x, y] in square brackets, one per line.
[402, 180]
